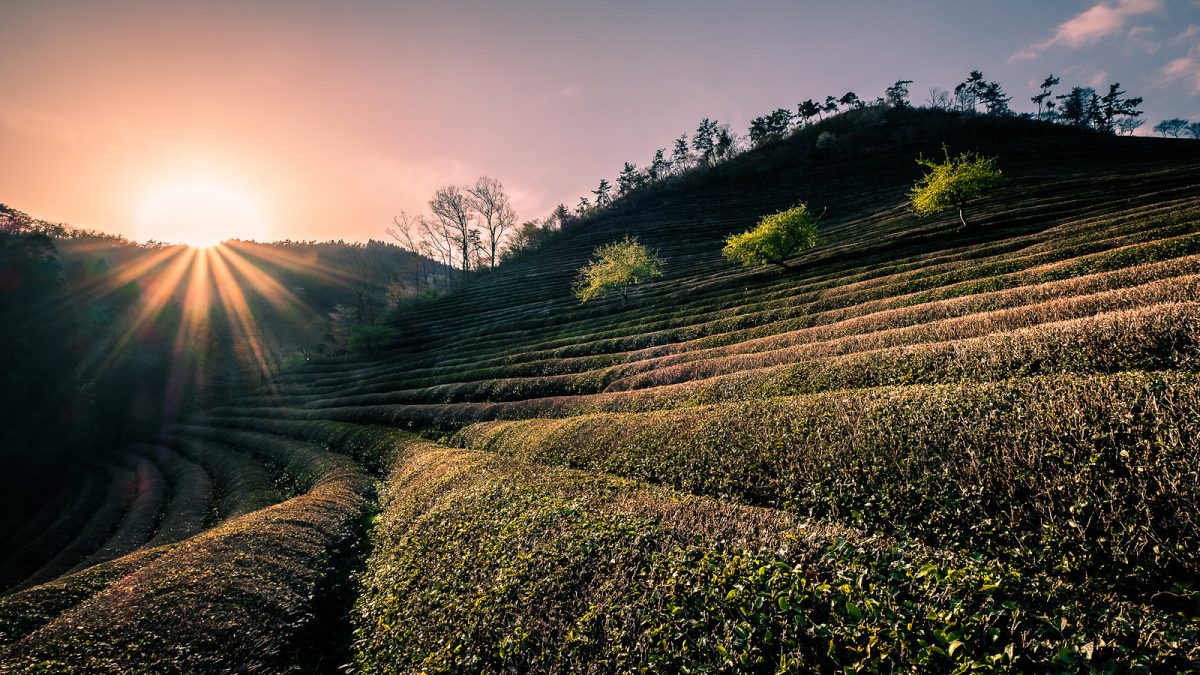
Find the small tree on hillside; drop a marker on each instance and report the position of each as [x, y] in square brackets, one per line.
[1044, 100]
[602, 197]
[1172, 127]
[850, 100]
[681, 156]
[776, 238]
[616, 267]
[953, 183]
[807, 110]
[629, 180]
[897, 94]
[659, 167]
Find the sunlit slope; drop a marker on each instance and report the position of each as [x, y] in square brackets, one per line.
[923, 449]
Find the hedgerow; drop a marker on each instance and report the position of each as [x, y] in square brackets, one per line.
[244, 589]
[482, 564]
[1085, 476]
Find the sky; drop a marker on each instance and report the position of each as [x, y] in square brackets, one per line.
[322, 120]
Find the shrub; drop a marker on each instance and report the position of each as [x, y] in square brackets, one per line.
[616, 267]
[953, 183]
[776, 238]
[1078, 474]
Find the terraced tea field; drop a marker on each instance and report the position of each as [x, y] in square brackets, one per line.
[921, 450]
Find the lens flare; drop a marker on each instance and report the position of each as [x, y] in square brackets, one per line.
[200, 214]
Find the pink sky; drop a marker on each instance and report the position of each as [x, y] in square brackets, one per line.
[326, 119]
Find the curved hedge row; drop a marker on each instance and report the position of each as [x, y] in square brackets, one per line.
[245, 587]
[483, 564]
[1080, 475]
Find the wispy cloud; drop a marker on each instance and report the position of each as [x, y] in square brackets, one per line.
[571, 91]
[1095, 23]
[1186, 36]
[1185, 69]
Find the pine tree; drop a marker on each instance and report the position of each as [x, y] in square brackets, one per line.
[1043, 100]
[602, 197]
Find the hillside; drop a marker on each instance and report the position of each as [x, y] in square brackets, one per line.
[922, 449]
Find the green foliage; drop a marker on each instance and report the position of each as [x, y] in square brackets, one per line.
[615, 267]
[369, 339]
[776, 238]
[483, 564]
[952, 183]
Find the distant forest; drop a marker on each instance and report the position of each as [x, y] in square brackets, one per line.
[99, 341]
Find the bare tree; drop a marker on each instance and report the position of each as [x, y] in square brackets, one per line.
[496, 215]
[453, 211]
[407, 233]
[368, 278]
[939, 99]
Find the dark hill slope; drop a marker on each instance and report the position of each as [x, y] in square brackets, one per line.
[921, 450]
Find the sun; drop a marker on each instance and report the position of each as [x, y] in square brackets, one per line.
[199, 214]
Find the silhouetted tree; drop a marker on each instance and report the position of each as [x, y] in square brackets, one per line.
[560, 217]
[831, 105]
[897, 94]
[704, 141]
[496, 215]
[659, 167]
[807, 110]
[970, 90]
[1173, 127]
[583, 208]
[1044, 100]
[772, 126]
[453, 211]
[723, 148]
[629, 179]
[1113, 106]
[850, 100]
[1127, 125]
[994, 100]
[1077, 108]
[681, 156]
[602, 197]
[939, 99]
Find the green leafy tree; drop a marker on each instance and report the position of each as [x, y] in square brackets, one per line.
[776, 238]
[617, 267]
[954, 182]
